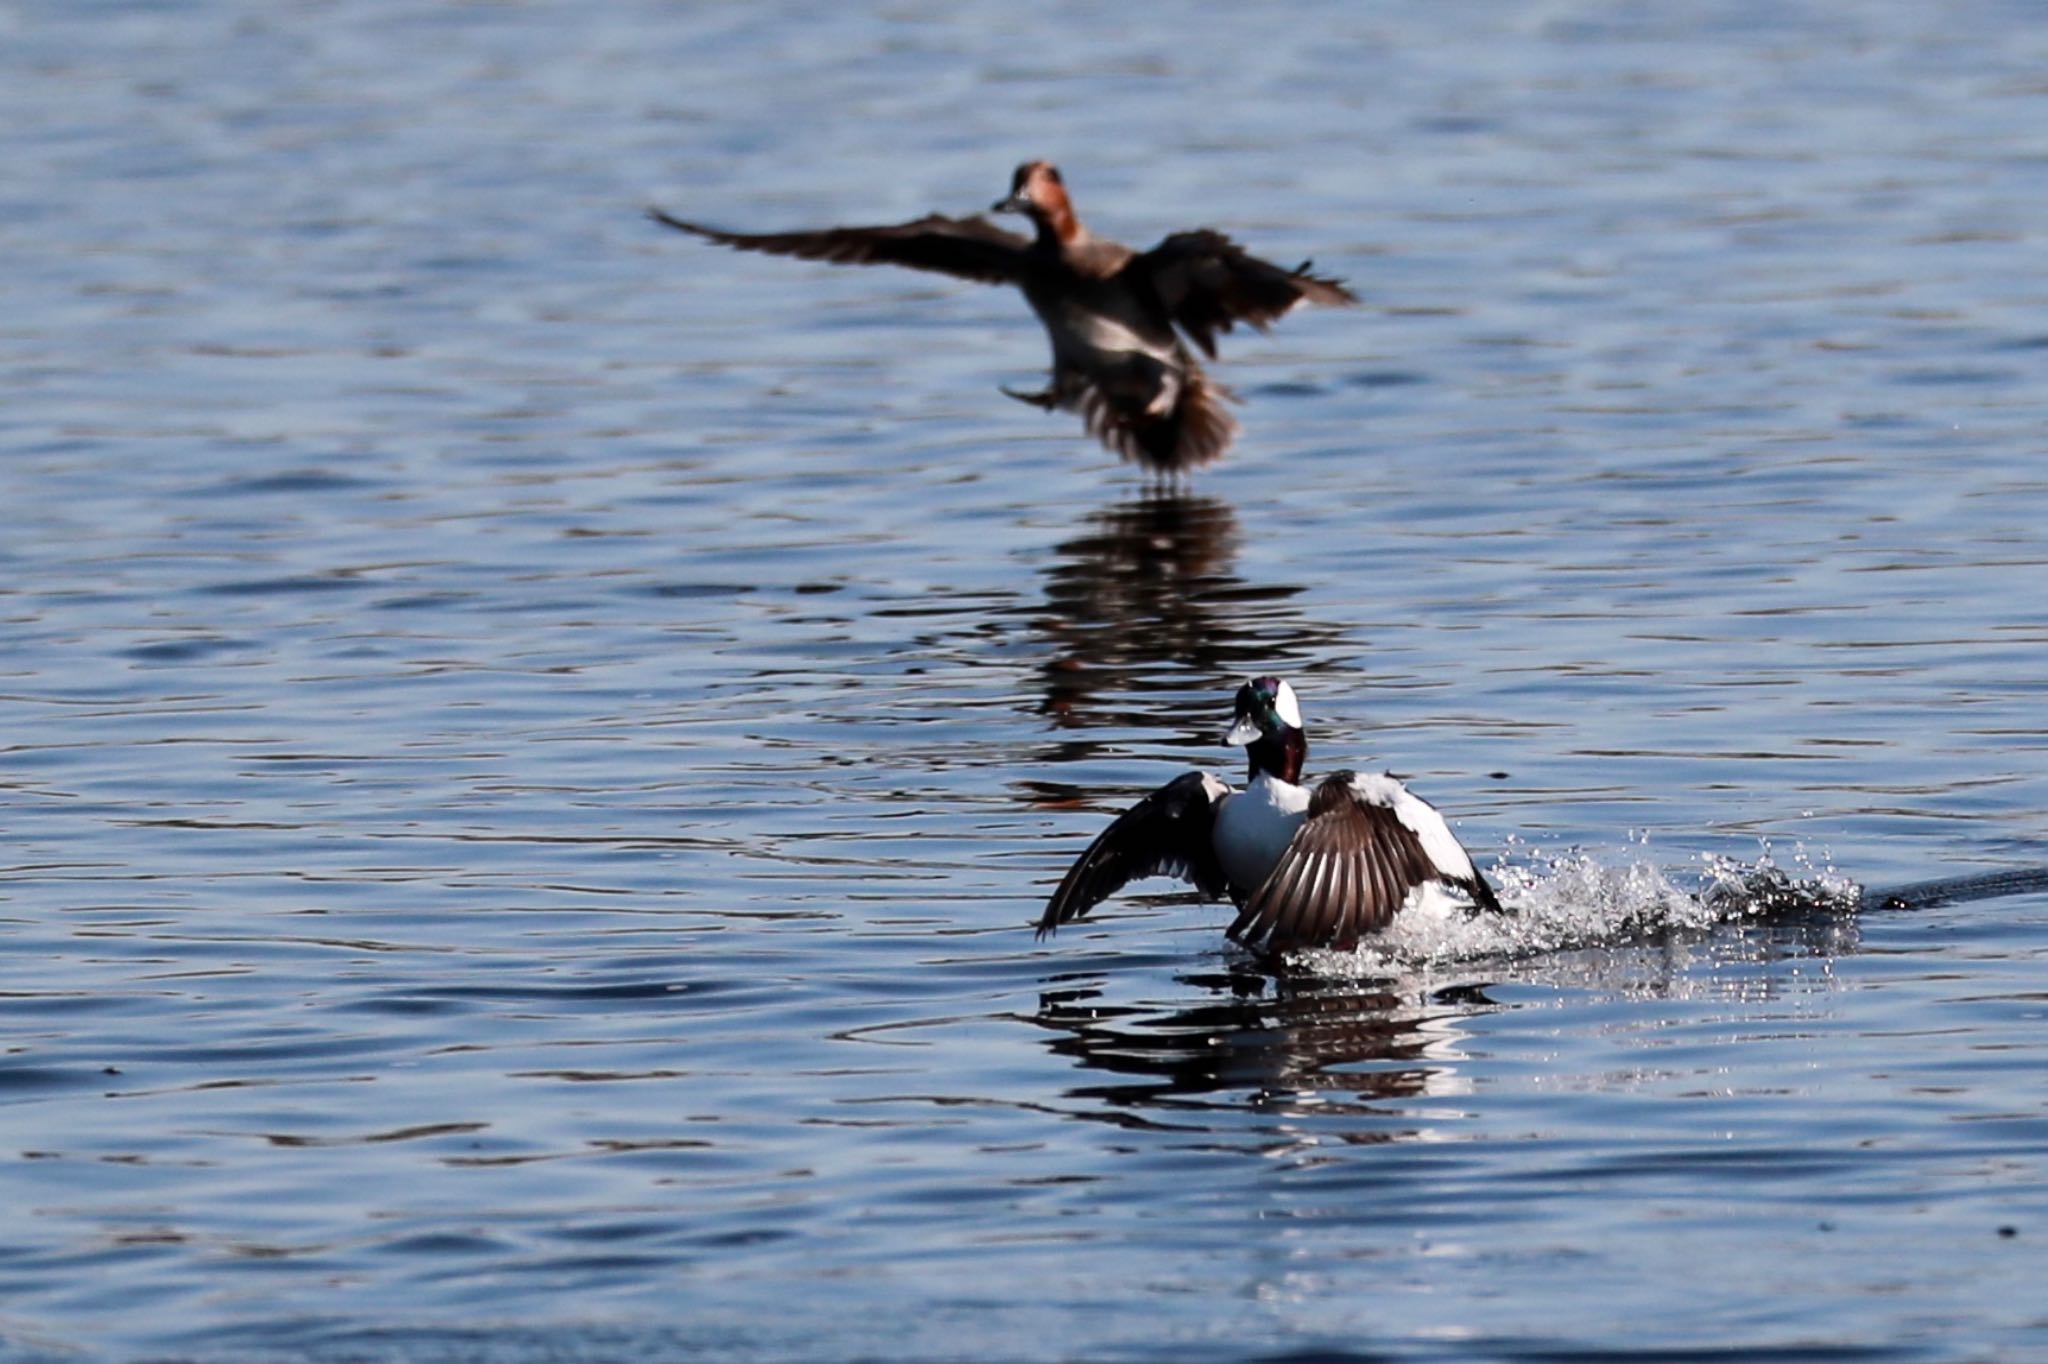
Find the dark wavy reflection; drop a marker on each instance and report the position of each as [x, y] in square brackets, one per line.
[1145, 596]
[1263, 1042]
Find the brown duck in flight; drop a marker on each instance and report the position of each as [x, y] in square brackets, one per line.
[1116, 317]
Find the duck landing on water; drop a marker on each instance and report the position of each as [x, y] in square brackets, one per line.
[1318, 867]
[1116, 317]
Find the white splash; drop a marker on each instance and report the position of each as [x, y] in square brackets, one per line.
[1573, 900]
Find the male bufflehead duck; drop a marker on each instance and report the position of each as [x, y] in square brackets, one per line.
[1111, 312]
[1306, 868]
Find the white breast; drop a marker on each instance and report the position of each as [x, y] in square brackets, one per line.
[1255, 826]
[1089, 336]
[1103, 333]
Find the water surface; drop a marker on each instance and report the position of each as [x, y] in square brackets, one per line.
[532, 746]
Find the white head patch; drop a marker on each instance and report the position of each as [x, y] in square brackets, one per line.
[1286, 707]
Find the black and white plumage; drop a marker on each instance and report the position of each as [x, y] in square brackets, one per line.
[1116, 317]
[1306, 868]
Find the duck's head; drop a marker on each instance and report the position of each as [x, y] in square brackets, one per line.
[1037, 191]
[1267, 724]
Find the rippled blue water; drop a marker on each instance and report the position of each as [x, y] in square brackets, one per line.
[529, 746]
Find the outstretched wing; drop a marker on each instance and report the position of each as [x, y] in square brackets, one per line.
[1365, 846]
[1165, 834]
[971, 248]
[1208, 283]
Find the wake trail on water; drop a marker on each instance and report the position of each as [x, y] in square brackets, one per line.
[1574, 900]
[1948, 890]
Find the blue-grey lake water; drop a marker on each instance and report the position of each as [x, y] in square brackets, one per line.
[530, 746]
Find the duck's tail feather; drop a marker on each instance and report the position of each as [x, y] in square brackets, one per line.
[1194, 430]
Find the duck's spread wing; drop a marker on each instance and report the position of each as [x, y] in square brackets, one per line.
[1349, 869]
[971, 248]
[1208, 283]
[1165, 834]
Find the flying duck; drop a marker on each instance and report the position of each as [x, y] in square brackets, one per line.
[1116, 317]
[1306, 867]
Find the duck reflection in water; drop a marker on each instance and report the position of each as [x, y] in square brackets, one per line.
[1144, 600]
[1267, 1042]
[1241, 1037]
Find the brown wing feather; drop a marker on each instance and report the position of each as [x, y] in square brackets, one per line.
[970, 248]
[1351, 889]
[1165, 834]
[1207, 283]
[1348, 870]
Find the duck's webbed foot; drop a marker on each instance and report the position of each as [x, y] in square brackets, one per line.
[1048, 399]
